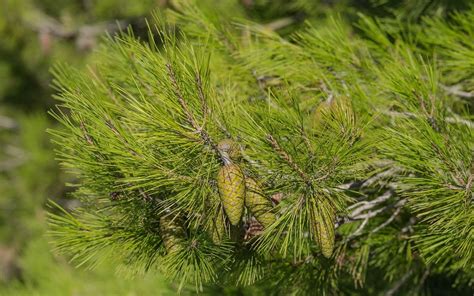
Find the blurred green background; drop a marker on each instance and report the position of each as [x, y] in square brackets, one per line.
[34, 35]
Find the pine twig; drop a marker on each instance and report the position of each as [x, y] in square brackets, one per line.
[399, 283]
[357, 213]
[385, 174]
[86, 134]
[84, 36]
[283, 22]
[366, 205]
[179, 95]
[456, 91]
[392, 217]
[202, 97]
[459, 120]
[285, 156]
[451, 119]
[358, 230]
[189, 116]
[370, 214]
[423, 279]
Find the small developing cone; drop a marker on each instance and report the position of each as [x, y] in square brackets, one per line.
[218, 228]
[172, 233]
[231, 184]
[256, 202]
[325, 233]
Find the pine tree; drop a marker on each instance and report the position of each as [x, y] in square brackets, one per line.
[356, 140]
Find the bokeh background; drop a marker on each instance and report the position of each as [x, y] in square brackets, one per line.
[36, 34]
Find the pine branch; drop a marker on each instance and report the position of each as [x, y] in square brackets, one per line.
[146, 123]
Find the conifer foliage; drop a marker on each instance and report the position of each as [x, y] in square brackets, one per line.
[339, 158]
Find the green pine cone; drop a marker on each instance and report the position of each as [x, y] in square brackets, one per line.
[231, 184]
[325, 232]
[172, 233]
[256, 202]
[218, 228]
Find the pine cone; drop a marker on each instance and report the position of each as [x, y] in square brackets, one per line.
[258, 204]
[218, 228]
[231, 184]
[325, 233]
[172, 233]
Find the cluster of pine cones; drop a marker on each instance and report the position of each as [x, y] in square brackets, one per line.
[236, 190]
